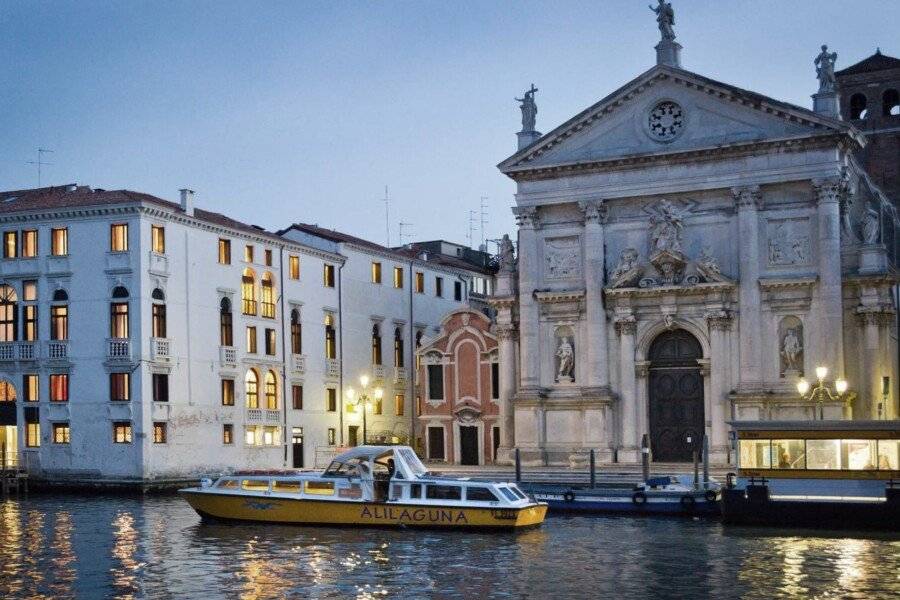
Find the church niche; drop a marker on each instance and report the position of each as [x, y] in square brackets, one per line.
[790, 347]
[565, 354]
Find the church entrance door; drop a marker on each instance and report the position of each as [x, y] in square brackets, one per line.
[676, 396]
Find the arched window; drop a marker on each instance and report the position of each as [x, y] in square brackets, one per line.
[60, 296]
[376, 345]
[158, 313]
[296, 333]
[398, 347]
[330, 345]
[858, 104]
[59, 316]
[119, 292]
[8, 313]
[271, 391]
[248, 292]
[268, 296]
[118, 314]
[251, 388]
[890, 103]
[226, 334]
[7, 393]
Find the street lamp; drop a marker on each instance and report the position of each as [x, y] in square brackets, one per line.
[822, 391]
[364, 398]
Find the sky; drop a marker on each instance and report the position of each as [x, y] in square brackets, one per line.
[280, 112]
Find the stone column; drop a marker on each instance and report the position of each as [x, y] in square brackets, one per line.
[719, 323]
[748, 200]
[642, 373]
[829, 347]
[529, 274]
[595, 315]
[628, 449]
[507, 356]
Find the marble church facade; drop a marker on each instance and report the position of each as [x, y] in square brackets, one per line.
[687, 250]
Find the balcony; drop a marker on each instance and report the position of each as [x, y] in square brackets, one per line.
[161, 350]
[159, 264]
[378, 372]
[118, 349]
[268, 310]
[7, 351]
[332, 368]
[399, 375]
[259, 415]
[248, 307]
[10, 351]
[58, 350]
[298, 363]
[228, 356]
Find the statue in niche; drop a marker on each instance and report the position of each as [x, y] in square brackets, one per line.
[708, 267]
[665, 19]
[566, 355]
[791, 347]
[666, 224]
[506, 255]
[825, 70]
[628, 272]
[870, 226]
[529, 109]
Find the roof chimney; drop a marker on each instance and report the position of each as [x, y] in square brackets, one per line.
[187, 201]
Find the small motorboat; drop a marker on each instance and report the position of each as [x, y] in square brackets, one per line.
[657, 495]
[367, 485]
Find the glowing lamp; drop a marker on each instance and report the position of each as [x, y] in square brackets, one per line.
[364, 380]
[379, 393]
[821, 372]
[350, 393]
[803, 387]
[840, 385]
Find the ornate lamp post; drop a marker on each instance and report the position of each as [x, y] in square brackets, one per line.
[364, 398]
[821, 391]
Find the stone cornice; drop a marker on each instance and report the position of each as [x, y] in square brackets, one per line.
[796, 283]
[677, 290]
[877, 279]
[548, 297]
[502, 301]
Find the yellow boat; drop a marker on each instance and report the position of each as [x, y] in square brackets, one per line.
[368, 485]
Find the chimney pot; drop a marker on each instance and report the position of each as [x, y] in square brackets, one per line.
[187, 201]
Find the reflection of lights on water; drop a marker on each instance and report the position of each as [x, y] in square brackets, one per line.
[793, 559]
[850, 561]
[367, 592]
[125, 538]
[11, 546]
[264, 576]
[64, 561]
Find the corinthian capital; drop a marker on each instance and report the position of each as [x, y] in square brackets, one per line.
[594, 211]
[719, 319]
[829, 189]
[526, 217]
[748, 196]
[626, 325]
[506, 332]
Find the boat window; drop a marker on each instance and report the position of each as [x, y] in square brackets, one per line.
[823, 454]
[412, 461]
[227, 483]
[256, 485]
[354, 491]
[443, 492]
[888, 454]
[858, 454]
[518, 492]
[319, 488]
[509, 495]
[415, 490]
[396, 492]
[480, 493]
[290, 487]
[755, 454]
[788, 454]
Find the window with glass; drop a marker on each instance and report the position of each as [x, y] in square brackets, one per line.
[398, 347]
[457, 291]
[158, 238]
[32, 435]
[755, 454]
[267, 254]
[226, 334]
[122, 432]
[159, 433]
[332, 436]
[328, 275]
[8, 309]
[376, 272]
[823, 454]
[376, 345]
[30, 323]
[227, 433]
[294, 267]
[59, 241]
[297, 397]
[399, 404]
[158, 323]
[59, 322]
[160, 387]
[228, 392]
[481, 494]
[118, 321]
[495, 381]
[248, 292]
[30, 390]
[118, 237]
[119, 387]
[420, 282]
[888, 455]
[224, 252]
[330, 343]
[7, 391]
[251, 389]
[859, 455]
[61, 433]
[443, 492]
[788, 454]
[331, 399]
[29, 243]
[10, 244]
[268, 296]
[29, 290]
[398, 277]
[271, 390]
[377, 406]
[435, 382]
[248, 253]
[439, 287]
[296, 333]
[251, 339]
[59, 387]
[269, 336]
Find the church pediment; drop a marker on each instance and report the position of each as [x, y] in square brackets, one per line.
[668, 111]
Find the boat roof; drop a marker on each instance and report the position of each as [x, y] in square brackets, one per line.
[366, 452]
[887, 425]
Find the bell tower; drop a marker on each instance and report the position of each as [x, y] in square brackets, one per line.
[870, 99]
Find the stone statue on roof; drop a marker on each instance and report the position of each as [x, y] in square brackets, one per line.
[825, 69]
[507, 257]
[529, 109]
[665, 18]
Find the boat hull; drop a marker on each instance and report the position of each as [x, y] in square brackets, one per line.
[305, 511]
[668, 505]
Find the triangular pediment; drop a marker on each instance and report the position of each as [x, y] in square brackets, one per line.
[668, 111]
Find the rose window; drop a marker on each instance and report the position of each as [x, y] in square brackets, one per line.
[666, 121]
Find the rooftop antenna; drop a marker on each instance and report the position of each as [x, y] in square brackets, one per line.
[387, 223]
[40, 162]
[484, 213]
[472, 226]
[402, 235]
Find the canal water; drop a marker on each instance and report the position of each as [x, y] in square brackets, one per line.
[156, 547]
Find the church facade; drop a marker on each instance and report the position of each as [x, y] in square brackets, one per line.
[687, 252]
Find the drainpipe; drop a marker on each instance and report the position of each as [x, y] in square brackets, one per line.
[284, 356]
[340, 390]
[411, 371]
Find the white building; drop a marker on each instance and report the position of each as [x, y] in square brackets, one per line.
[142, 339]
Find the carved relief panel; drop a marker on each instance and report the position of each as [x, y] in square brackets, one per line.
[788, 242]
[562, 258]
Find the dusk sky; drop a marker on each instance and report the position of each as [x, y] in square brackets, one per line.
[277, 112]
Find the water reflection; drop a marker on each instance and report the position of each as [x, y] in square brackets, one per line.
[156, 547]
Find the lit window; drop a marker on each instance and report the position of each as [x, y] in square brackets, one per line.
[32, 435]
[158, 320]
[297, 397]
[59, 322]
[7, 391]
[59, 387]
[376, 272]
[420, 282]
[332, 438]
[159, 433]
[439, 287]
[10, 244]
[30, 323]
[398, 277]
[330, 346]
[158, 238]
[160, 387]
[251, 389]
[29, 243]
[59, 241]
[118, 237]
[399, 404]
[118, 320]
[228, 392]
[29, 289]
[294, 267]
[251, 339]
[331, 399]
[250, 436]
[119, 387]
[271, 391]
[268, 256]
[8, 309]
[268, 296]
[227, 433]
[122, 432]
[248, 292]
[328, 276]
[30, 387]
[248, 253]
[60, 433]
[377, 406]
[224, 252]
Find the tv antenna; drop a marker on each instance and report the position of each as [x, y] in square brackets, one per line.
[40, 162]
[484, 213]
[472, 226]
[402, 235]
[387, 222]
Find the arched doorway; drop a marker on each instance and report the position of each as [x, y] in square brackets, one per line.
[8, 442]
[676, 396]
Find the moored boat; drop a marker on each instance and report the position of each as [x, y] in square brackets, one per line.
[367, 485]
